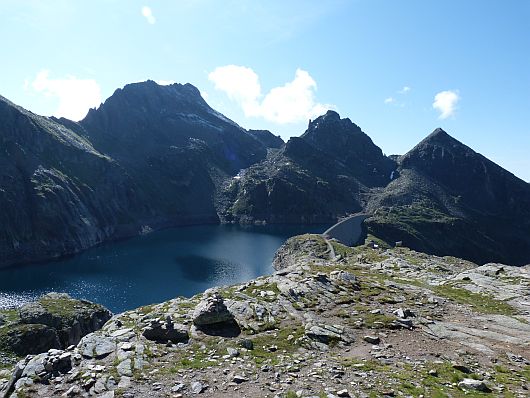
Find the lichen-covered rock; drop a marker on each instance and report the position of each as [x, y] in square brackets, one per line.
[72, 319]
[52, 322]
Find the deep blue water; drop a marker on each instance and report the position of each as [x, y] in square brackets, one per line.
[153, 268]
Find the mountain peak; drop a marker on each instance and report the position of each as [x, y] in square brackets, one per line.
[146, 100]
[438, 139]
[440, 135]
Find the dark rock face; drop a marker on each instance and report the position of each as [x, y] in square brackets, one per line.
[58, 195]
[149, 156]
[314, 178]
[450, 200]
[54, 321]
[344, 141]
[144, 120]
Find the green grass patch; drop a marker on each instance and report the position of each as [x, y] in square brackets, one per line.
[478, 301]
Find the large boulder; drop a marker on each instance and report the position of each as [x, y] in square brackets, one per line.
[96, 346]
[212, 317]
[72, 319]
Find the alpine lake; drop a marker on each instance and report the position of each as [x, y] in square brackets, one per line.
[155, 267]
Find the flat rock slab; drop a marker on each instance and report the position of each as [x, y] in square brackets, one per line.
[96, 346]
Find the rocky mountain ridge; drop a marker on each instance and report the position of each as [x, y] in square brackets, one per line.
[156, 156]
[332, 321]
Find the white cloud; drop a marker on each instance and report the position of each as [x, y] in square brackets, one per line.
[148, 14]
[404, 90]
[290, 103]
[445, 102]
[389, 100]
[76, 96]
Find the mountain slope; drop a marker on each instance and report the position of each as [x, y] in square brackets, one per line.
[448, 199]
[151, 156]
[58, 194]
[313, 178]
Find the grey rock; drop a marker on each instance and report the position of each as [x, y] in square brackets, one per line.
[372, 339]
[239, 379]
[124, 383]
[197, 387]
[96, 346]
[124, 368]
[472, 384]
[178, 387]
[167, 331]
[232, 352]
[323, 333]
[246, 343]
[211, 310]
[73, 391]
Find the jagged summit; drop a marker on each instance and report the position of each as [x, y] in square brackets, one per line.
[328, 126]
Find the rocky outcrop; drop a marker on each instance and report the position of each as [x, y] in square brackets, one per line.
[54, 321]
[23, 339]
[364, 321]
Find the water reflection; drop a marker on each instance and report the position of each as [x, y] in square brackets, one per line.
[155, 267]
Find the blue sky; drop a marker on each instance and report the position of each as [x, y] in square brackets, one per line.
[398, 69]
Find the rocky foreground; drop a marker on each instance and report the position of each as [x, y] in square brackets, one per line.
[331, 321]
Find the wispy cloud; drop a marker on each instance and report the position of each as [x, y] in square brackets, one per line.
[291, 103]
[395, 100]
[148, 14]
[76, 96]
[445, 102]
